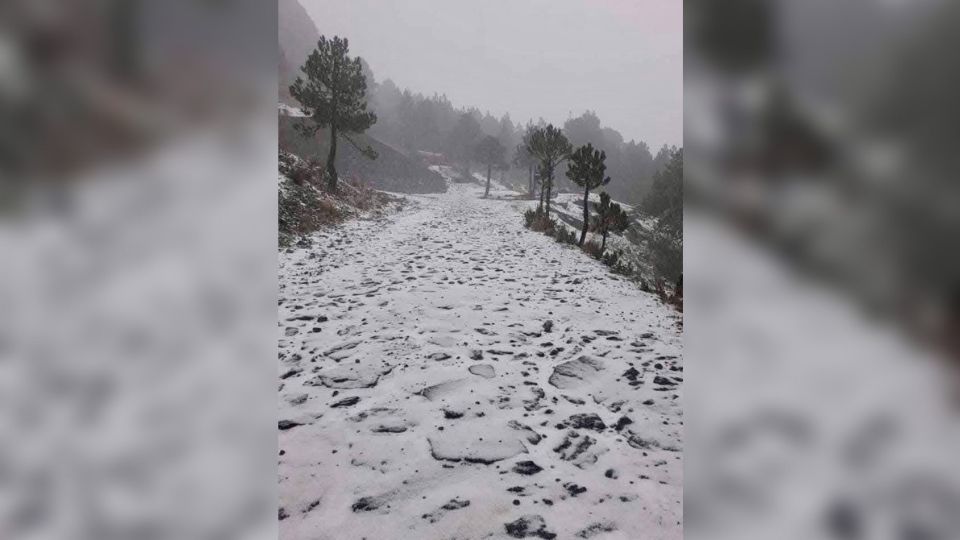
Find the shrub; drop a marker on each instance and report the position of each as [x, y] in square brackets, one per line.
[564, 235]
[593, 249]
[611, 259]
[538, 221]
[666, 253]
[301, 211]
[529, 217]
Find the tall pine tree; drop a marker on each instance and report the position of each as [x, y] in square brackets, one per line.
[490, 152]
[550, 147]
[334, 95]
[587, 169]
[610, 218]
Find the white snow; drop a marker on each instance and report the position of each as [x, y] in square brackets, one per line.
[426, 330]
[806, 418]
[287, 110]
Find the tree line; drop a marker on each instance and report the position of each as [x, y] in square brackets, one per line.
[414, 122]
[334, 94]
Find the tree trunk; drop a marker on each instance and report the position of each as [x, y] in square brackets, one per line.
[603, 245]
[549, 190]
[533, 188]
[487, 192]
[542, 191]
[586, 214]
[331, 167]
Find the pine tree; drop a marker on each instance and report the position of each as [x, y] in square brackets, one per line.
[522, 158]
[587, 169]
[463, 138]
[550, 147]
[610, 218]
[665, 203]
[334, 95]
[490, 152]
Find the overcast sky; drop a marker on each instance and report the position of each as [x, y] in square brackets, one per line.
[531, 58]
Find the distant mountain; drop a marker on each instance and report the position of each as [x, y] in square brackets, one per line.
[393, 170]
[297, 35]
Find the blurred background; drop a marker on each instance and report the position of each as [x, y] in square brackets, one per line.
[822, 218]
[139, 285]
[138, 299]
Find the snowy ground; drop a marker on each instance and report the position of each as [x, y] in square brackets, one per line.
[445, 373]
[805, 418]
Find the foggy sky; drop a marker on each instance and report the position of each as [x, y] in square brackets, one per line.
[530, 58]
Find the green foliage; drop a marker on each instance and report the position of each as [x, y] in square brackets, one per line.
[666, 253]
[537, 220]
[564, 235]
[489, 151]
[611, 258]
[529, 217]
[610, 217]
[334, 91]
[667, 190]
[587, 169]
[665, 202]
[463, 139]
[549, 147]
[334, 95]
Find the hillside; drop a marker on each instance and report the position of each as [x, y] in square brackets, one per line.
[391, 171]
[297, 35]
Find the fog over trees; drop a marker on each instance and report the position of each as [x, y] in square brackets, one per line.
[416, 122]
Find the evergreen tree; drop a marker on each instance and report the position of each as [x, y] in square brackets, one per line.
[523, 159]
[665, 202]
[610, 218]
[334, 95]
[666, 194]
[490, 152]
[587, 169]
[463, 139]
[550, 147]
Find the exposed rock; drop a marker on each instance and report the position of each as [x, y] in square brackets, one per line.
[287, 424]
[526, 468]
[575, 372]
[586, 421]
[596, 528]
[346, 402]
[483, 370]
[529, 526]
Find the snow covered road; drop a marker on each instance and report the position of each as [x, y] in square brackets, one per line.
[445, 373]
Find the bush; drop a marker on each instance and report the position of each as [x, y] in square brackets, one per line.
[592, 248]
[302, 210]
[611, 258]
[666, 254]
[564, 235]
[538, 221]
[529, 217]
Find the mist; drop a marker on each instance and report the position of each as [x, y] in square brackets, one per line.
[553, 59]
